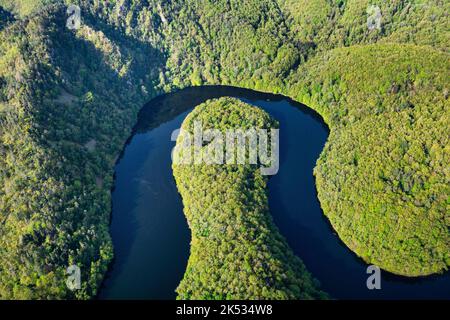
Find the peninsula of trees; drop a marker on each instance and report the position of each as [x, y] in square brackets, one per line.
[236, 250]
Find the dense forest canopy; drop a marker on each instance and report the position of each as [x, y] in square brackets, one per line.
[236, 250]
[69, 98]
[381, 182]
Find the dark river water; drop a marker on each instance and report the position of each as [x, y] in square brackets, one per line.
[150, 233]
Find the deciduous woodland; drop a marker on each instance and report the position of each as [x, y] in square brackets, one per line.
[236, 250]
[69, 99]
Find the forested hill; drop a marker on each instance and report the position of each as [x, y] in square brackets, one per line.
[236, 251]
[69, 98]
[327, 24]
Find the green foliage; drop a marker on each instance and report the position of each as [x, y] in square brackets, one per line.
[382, 178]
[59, 92]
[328, 24]
[236, 250]
[68, 101]
[24, 7]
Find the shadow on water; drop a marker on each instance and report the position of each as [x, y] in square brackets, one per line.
[150, 234]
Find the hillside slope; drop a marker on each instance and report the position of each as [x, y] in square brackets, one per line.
[68, 101]
[237, 251]
[383, 176]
